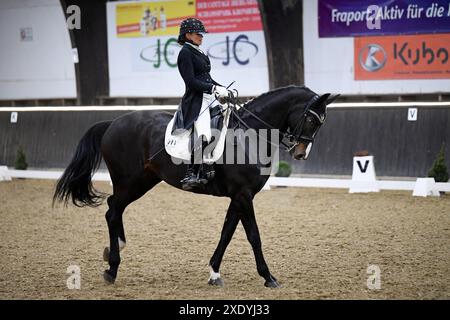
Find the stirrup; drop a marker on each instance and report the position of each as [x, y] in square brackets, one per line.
[190, 180]
[202, 177]
[202, 181]
[206, 173]
[191, 183]
[209, 172]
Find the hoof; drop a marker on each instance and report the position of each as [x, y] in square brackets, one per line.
[109, 279]
[273, 283]
[216, 282]
[106, 254]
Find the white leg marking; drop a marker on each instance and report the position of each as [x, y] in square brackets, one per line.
[121, 244]
[213, 275]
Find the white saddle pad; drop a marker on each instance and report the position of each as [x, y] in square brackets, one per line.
[177, 145]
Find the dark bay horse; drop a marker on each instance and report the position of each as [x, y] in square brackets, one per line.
[133, 149]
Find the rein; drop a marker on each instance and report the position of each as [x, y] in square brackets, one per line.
[293, 141]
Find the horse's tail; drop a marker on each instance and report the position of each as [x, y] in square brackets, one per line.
[76, 181]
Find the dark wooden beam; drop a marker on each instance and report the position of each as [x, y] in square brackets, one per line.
[283, 30]
[91, 43]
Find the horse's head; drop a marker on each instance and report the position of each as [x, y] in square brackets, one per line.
[304, 123]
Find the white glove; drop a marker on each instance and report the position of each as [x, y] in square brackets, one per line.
[220, 92]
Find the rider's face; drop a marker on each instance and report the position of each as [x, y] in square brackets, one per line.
[195, 37]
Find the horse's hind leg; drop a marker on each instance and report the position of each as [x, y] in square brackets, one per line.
[117, 205]
[121, 232]
[122, 197]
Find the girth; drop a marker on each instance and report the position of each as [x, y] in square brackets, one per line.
[216, 114]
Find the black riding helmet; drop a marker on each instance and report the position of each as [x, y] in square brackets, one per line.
[190, 25]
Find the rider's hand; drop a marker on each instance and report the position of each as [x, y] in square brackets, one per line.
[221, 92]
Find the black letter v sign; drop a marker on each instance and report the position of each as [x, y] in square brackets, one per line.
[366, 164]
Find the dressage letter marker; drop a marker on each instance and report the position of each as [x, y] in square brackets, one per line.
[14, 116]
[412, 114]
[363, 177]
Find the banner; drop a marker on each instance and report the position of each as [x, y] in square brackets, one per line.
[346, 18]
[402, 57]
[156, 18]
[143, 48]
[152, 18]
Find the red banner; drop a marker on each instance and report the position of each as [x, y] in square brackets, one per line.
[402, 57]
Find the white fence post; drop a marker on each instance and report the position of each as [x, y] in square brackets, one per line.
[425, 187]
[4, 174]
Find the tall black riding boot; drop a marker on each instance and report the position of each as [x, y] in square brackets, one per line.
[191, 180]
[201, 144]
[207, 172]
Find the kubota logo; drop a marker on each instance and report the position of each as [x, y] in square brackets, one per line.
[372, 57]
[412, 56]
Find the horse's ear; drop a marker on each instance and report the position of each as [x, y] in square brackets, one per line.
[322, 99]
[331, 98]
[319, 105]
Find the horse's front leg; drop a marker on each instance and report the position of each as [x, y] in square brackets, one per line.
[247, 216]
[229, 226]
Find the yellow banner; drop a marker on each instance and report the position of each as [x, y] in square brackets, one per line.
[152, 18]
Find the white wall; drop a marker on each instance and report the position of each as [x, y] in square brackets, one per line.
[329, 65]
[41, 68]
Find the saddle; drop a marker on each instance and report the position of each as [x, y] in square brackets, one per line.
[177, 141]
[216, 115]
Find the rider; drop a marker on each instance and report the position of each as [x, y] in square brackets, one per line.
[194, 67]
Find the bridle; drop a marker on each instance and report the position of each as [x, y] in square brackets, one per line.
[296, 136]
[293, 138]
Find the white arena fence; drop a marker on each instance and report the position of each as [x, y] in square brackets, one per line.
[175, 107]
[361, 182]
[420, 187]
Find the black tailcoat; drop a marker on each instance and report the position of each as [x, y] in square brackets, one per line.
[194, 67]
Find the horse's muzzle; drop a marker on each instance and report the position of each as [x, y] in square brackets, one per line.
[299, 152]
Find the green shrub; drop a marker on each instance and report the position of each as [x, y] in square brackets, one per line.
[21, 160]
[283, 169]
[439, 170]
